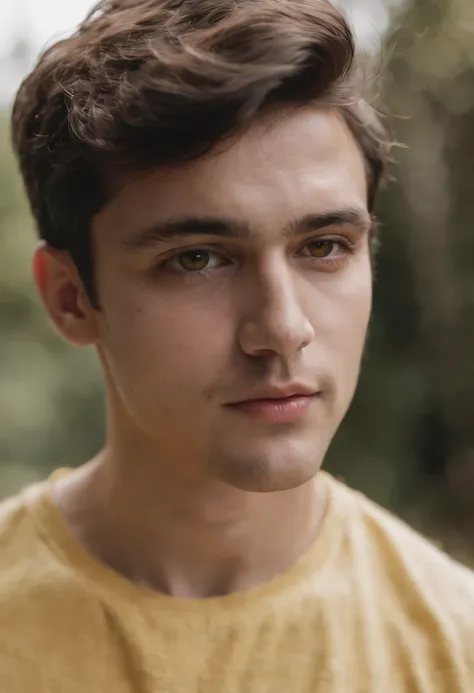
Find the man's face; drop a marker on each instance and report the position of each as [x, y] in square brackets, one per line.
[228, 284]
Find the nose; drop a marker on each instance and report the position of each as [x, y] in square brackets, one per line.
[275, 322]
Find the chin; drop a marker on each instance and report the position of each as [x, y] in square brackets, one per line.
[267, 475]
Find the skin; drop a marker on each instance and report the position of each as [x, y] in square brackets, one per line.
[188, 491]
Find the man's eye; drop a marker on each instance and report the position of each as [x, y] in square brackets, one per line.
[194, 260]
[197, 260]
[321, 248]
[325, 248]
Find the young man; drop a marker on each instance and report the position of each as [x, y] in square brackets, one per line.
[203, 174]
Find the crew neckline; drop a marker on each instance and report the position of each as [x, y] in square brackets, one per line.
[60, 541]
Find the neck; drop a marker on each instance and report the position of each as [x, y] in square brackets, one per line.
[187, 538]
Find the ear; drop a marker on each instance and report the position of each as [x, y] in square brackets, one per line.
[63, 296]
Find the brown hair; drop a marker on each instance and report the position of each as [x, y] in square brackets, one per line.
[150, 82]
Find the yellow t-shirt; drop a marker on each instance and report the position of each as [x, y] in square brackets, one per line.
[371, 608]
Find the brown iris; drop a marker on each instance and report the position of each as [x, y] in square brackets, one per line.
[194, 260]
[320, 248]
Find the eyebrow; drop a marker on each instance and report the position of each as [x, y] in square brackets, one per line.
[178, 228]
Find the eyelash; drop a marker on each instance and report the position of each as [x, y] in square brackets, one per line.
[345, 243]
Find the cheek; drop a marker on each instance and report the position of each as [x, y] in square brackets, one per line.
[351, 334]
[343, 317]
[166, 339]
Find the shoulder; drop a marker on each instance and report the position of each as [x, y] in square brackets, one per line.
[24, 558]
[45, 605]
[40, 593]
[32, 573]
[425, 590]
[408, 552]
[18, 531]
[15, 533]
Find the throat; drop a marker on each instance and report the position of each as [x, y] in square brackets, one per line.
[189, 545]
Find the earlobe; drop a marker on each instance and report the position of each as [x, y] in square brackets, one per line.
[63, 296]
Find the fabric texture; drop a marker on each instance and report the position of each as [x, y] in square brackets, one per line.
[371, 608]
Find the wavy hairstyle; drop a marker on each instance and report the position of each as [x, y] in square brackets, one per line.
[149, 82]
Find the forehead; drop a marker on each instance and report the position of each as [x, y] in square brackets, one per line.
[284, 166]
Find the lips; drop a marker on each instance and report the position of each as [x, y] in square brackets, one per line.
[279, 393]
[277, 404]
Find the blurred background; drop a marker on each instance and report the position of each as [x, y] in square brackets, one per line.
[408, 441]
